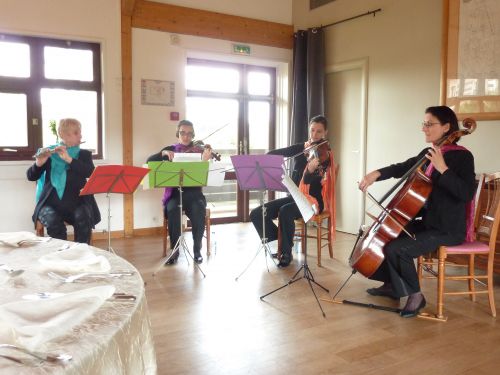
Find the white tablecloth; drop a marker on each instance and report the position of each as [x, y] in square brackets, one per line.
[116, 339]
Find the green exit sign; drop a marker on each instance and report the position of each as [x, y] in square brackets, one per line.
[241, 49]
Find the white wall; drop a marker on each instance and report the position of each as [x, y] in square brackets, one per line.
[155, 56]
[89, 20]
[403, 45]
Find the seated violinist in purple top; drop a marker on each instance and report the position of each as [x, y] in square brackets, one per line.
[193, 201]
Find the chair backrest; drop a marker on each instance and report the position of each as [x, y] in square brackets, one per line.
[488, 214]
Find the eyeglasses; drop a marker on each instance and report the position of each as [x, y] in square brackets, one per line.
[427, 124]
[184, 134]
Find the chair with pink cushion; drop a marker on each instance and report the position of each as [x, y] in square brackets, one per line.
[487, 220]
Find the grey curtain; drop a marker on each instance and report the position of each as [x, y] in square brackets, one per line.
[308, 93]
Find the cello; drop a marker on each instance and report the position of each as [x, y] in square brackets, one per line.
[368, 252]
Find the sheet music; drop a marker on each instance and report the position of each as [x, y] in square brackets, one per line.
[185, 156]
[216, 174]
[307, 210]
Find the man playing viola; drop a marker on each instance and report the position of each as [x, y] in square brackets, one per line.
[315, 180]
[193, 201]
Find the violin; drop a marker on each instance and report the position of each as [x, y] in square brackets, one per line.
[199, 147]
[368, 252]
[319, 150]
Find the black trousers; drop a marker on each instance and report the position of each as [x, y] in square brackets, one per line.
[287, 211]
[80, 219]
[398, 267]
[194, 205]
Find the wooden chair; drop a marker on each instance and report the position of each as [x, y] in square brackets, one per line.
[40, 230]
[187, 228]
[322, 233]
[487, 221]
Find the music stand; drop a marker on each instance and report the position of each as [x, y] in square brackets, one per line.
[178, 175]
[305, 210]
[121, 179]
[262, 173]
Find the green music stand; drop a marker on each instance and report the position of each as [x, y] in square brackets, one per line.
[178, 175]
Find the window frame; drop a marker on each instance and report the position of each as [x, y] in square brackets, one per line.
[32, 85]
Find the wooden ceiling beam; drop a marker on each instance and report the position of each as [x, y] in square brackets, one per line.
[175, 19]
[128, 7]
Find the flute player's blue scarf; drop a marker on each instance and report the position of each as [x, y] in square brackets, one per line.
[58, 168]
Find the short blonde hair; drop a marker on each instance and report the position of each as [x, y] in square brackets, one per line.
[67, 123]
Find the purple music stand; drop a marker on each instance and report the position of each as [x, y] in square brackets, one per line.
[262, 173]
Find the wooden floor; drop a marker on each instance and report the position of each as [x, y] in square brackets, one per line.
[216, 325]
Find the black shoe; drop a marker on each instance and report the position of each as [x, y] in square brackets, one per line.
[172, 260]
[285, 260]
[382, 291]
[198, 258]
[411, 313]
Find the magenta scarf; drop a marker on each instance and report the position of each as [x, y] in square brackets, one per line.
[469, 207]
[167, 194]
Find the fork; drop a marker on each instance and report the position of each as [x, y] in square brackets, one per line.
[40, 356]
[73, 278]
[22, 361]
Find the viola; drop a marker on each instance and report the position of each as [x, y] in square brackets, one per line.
[199, 147]
[320, 150]
[368, 252]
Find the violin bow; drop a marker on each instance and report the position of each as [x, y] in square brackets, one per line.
[215, 131]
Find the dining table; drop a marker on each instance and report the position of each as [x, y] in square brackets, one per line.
[95, 322]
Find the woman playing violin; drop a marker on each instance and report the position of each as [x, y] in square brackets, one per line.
[311, 176]
[445, 219]
[62, 171]
[193, 200]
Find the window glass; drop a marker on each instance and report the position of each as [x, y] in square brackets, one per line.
[14, 60]
[82, 105]
[258, 126]
[67, 63]
[13, 117]
[208, 78]
[259, 83]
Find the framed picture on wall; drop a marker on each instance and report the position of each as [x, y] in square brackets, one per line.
[156, 92]
[471, 58]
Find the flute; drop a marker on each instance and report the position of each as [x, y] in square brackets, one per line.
[47, 150]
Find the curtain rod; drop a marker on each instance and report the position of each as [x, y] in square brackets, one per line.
[352, 18]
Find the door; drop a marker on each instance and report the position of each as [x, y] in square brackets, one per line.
[346, 108]
[239, 100]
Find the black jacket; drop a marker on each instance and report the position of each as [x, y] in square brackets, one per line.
[79, 170]
[445, 209]
[299, 165]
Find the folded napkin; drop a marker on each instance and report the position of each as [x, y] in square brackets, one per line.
[78, 258]
[16, 239]
[32, 323]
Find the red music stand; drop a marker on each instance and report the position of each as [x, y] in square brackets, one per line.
[121, 179]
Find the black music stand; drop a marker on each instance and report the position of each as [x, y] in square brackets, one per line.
[300, 200]
[121, 179]
[262, 173]
[178, 175]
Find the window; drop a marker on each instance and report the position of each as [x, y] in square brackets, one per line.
[44, 80]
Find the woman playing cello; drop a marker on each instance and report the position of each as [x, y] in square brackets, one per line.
[445, 219]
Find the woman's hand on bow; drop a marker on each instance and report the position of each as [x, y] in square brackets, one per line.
[168, 154]
[369, 179]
